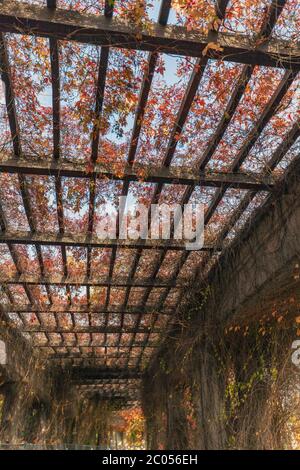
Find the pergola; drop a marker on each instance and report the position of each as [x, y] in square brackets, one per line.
[106, 317]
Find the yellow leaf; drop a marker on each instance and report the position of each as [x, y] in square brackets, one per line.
[212, 46]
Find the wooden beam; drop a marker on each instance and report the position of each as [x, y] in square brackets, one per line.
[279, 153]
[55, 79]
[22, 18]
[109, 381]
[126, 400]
[284, 147]
[51, 239]
[51, 3]
[145, 173]
[266, 28]
[81, 308]
[164, 12]
[96, 373]
[264, 118]
[99, 100]
[231, 107]
[109, 8]
[84, 281]
[137, 344]
[184, 109]
[102, 72]
[139, 115]
[140, 111]
[273, 13]
[9, 97]
[143, 99]
[91, 329]
[15, 135]
[88, 358]
[220, 8]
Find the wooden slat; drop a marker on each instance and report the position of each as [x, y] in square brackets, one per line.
[29, 215]
[176, 131]
[184, 109]
[145, 89]
[284, 147]
[186, 104]
[164, 12]
[102, 71]
[17, 149]
[220, 8]
[9, 97]
[55, 79]
[250, 141]
[51, 3]
[3, 222]
[144, 93]
[99, 100]
[272, 16]
[264, 118]
[15, 135]
[227, 115]
[266, 28]
[109, 8]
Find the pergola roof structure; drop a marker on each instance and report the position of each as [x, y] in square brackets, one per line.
[99, 103]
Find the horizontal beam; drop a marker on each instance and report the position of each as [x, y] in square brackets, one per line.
[105, 391]
[84, 281]
[90, 329]
[126, 400]
[86, 359]
[120, 355]
[109, 381]
[82, 308]
[48, 238]
[145, 173]
[137, 344]
[23, 18]
[95, 373]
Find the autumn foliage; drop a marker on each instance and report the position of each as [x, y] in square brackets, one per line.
[75, 205]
